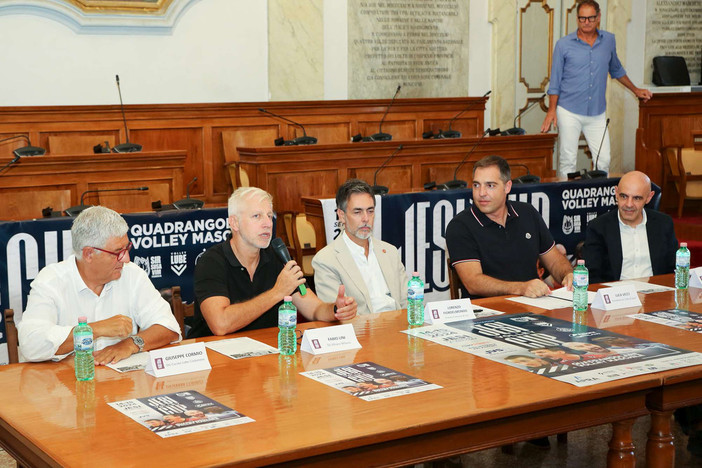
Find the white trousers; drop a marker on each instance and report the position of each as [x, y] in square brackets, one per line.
[569, 127]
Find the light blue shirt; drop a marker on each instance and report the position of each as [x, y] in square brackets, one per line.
[579, 72]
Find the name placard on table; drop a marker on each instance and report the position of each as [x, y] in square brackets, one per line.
[448, 311]
[178, 360]
[618, 297]
[329, 339]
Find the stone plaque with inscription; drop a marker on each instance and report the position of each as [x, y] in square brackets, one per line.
[673, 28]
[421, 45]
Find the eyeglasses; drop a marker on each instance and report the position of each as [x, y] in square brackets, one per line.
[590, 19]
[120, 254]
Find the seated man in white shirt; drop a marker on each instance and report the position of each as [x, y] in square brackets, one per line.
[127, 314]
[370, 269]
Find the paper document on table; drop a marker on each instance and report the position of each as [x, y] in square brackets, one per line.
[563, 293]
[183, 412]
[641, 286]
[134, 362]
[543, 302]
[239, 348]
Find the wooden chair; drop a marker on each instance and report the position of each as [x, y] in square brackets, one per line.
[180, 309]
[454, 280]
[11, 332]
[304, 242]
[237, 176]
[683, 166]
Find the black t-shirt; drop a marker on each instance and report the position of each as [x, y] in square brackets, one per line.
[506, 253]
[219, 273]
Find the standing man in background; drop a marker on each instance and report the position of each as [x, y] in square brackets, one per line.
[581, 62]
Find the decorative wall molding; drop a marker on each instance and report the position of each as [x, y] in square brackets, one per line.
[105, 17]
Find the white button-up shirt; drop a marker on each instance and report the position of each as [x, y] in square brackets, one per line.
[381, 301]
[59, 296]
[636, 259]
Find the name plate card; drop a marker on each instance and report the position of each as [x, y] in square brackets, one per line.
[329, 339]
[618, 297]
[696, 278]
[178, 360]
[448, 311]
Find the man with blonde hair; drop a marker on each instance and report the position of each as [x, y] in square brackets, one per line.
[240, 283]
[127, 314]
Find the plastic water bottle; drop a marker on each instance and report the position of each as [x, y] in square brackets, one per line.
[415, 300]
[581, 279]
[83, 346]
[682, 267]
[287, 321]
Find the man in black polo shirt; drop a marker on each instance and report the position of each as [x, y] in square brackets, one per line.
[240, 283]
[494, 243]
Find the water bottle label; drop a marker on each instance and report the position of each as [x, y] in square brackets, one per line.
[415, 293]
[83, 343]
[682, 262]
[580, 279]
[287, 320]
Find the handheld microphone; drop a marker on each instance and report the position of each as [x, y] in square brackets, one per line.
[380, 136]
[527, 178]
[303, 140]
[28, 150]
[381, 189]
[282, 252]
[188, 203]
[455, 183]
[518, 130]
[76, 210]
[596, 173]
[125, 147]
[455, 133]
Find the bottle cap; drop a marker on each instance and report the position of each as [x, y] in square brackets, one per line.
[416, 273]
[82, 319]
[581, 262]
[683, 244]
[287, 299]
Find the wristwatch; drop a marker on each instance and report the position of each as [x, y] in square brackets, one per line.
[139, 341]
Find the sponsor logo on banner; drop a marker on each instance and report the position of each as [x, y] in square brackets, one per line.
[155, 266]
[567, 225]
[143, 263]
[179, 262]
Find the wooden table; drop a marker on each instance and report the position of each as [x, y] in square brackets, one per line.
[48, 419]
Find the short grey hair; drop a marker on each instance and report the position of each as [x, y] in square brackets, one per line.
[241, 194]
[94, 227]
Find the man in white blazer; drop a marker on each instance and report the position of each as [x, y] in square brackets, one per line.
[370, 269]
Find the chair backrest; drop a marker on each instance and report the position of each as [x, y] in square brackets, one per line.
[180, 309]
[11, 332]
[454, 280]
[238, 176]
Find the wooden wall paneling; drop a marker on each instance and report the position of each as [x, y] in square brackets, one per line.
[60, 180]
[63, 143]
[131, 202]
[468, 126]
[665, 120]
[26, 202]
[326, 133]
[193, 127]
[399, 129]
[396, 176]
[287, 187]
[189, 139]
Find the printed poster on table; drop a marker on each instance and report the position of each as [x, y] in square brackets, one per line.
[677, 318]
[369, 381]
[571, 353]
[175, 414]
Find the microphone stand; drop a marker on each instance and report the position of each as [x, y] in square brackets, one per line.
[381, 189]
[380, 136]
[77, 209]
[125, 147]
[596, 173]
[455, 183]
[518, 130]
[303, 140]
[455, 133]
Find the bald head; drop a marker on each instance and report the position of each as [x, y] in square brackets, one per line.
[633, 192]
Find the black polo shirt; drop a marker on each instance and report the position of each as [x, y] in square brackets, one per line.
[506, 253]
[219, 273]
